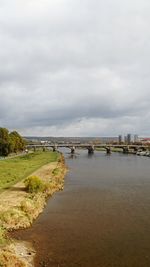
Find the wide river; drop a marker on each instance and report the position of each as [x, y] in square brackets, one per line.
[100, 219]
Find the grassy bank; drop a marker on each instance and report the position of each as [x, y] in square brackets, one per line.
[18, 206]
[16, 169]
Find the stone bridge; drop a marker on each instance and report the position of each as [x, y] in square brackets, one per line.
[91, 147]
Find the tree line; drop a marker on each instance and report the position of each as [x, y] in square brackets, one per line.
[10, 142]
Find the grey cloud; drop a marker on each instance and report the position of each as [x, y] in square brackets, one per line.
[66, 65]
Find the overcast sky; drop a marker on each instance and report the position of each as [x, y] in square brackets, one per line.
[75, 67]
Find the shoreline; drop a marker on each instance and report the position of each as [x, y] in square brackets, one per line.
[27, 210]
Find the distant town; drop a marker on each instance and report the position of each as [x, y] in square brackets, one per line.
[120, 139]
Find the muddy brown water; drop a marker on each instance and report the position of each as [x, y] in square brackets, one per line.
[101, 219]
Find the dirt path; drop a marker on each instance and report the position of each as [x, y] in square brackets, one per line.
[12, 197]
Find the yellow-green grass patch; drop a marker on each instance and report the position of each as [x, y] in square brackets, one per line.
[15, 169]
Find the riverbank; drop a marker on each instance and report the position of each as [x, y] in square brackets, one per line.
[18, 209]
[100, 219]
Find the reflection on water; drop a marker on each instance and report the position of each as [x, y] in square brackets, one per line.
[72, 156]
[102, 217]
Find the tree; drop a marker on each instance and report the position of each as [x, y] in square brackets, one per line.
[16, 142]
[10, 142]
[4, 142]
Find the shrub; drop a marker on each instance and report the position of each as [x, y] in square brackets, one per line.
[27, 206]
[12, 218]
[2, 235]
[56, 171]
[34, 184]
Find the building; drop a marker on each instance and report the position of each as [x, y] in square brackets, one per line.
[136, 138]
[128, 139]
[120, 139]
[145, 140]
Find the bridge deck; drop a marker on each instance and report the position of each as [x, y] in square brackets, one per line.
[69, 145]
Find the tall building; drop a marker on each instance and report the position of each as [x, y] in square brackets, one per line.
[120, 139]
[129, 139]
[136, 138]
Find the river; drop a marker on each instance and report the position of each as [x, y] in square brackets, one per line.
[100, 219]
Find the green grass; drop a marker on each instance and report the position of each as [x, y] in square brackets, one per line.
[15, 169]
[117, 149]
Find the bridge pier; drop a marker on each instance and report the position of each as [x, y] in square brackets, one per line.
[108, 150]
[135, 149]
[72, 150]
[90, 149]
[54, 148]
[126, 150]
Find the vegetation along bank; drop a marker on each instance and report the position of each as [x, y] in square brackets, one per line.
[10, 142]
[25, 184]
